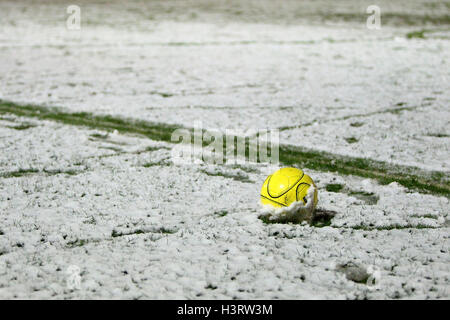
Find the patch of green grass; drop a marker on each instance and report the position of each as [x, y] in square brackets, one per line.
[351, 140]
[410, 177]
[416, 34]
[155, 131]
[156, 164]
[61, 171]
[152, 164]
[221, 213]
[266, 219]
[26, 172]
[334, 187]
[23, 126]
[91, 220]
[77, 243]
[19, 173]
[165, 231]
[439, 176]
[162, 94]
[439, 135]
[99, 136]
[420, 34]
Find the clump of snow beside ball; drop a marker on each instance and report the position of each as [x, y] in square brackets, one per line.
[297, 212]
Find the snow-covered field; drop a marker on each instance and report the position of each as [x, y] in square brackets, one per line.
[114, 208]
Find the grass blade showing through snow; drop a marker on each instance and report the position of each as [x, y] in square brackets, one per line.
[155, 131]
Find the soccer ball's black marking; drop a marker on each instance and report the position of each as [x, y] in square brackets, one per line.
[270, 177]
[281, 204]
[296, 190]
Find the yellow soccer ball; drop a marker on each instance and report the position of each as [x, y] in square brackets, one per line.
[286, 186]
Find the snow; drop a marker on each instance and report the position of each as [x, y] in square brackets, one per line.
[168, 231]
